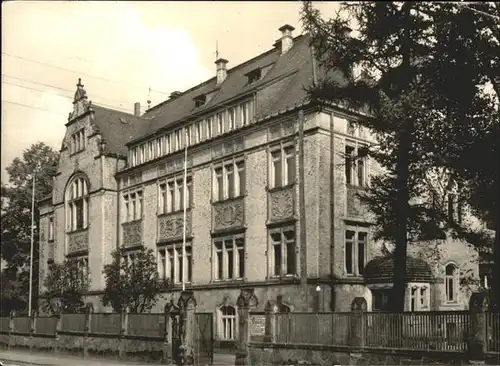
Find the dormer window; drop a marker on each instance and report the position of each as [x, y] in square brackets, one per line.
[77, 142]
[254, 76]
[200, 100]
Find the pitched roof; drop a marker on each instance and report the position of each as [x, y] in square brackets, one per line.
[381, 269]
[281, 87]
[118, 128]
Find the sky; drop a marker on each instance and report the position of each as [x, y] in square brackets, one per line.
[120, 50]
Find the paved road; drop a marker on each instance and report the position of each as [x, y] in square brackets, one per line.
[23, 358]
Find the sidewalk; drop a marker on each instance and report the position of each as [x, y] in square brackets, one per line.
[26, 358]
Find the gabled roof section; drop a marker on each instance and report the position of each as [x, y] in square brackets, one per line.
[118, 128]
[294, 66]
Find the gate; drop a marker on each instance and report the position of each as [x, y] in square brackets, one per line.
[203, 339]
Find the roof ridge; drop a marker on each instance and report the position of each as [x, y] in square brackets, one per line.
[119, 111]
[233, 69]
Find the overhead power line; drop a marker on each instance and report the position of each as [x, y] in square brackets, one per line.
[79, 72]
[33, 107]
[59, 95]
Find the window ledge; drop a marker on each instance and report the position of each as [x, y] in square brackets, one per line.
[228, 200]
[235, 280]
[77, 231]
[176, 212]
[279, 188]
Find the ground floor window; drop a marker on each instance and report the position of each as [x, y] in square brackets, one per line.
[380, 299]
[227, 323]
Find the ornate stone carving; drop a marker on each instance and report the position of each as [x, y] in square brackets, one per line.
[247, 298]
[288, 128]
[78, 241]
[132, 233]
[275, 132]
[171, 225]
[228, 214]
[50, 251]
[228, 147]
[282, 203]
[354, 206]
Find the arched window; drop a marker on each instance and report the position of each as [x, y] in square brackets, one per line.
[227, 322]
[451, 279]
[77, 204]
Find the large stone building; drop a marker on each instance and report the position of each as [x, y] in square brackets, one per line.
[120, 183]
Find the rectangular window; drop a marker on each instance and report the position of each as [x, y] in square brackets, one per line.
[178, 143]
[171, 194]
[229, 258]
[197, 132]
[355, 165]
[244, 108]
[142, 154]
[171, 263]
[283, 252]
[159, 146]
[188, 131]
[151, 154]
[133, 206]
[209, 127]
[51, 229]
[168, 144]
[220, 123]
[355, 252]
[229, 180]
[77, 142]
[232, 119]
[282, 166]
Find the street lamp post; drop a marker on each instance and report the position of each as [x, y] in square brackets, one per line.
[32, 242]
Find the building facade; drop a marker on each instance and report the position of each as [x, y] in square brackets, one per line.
[120, 184]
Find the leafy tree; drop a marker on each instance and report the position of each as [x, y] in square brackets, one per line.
[16, 221]
[134, 284]
[422, 70]
[66, 287]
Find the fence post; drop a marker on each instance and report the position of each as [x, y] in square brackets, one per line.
[187, 306]
[166, 348]
[86, 330]
[123, 332]
[358, 325]
[32, 328]
[11, 326]
[56, 333]
[270, 327]
[476, 345]
[246, 300]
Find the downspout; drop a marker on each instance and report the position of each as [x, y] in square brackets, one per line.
[302, 213]
[332, 211]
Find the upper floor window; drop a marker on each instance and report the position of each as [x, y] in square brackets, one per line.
[142, 154]
[283, 258]
[229, 179]
[355, 165]
[232, 118]
[197, 132]
[178, 140]
[168, 143]
[245, 113]
[229, 257]
[171, 195]
[355, 252]
[77, 204]
[282, 166]
[220, 123]
[208, 124]
[451, 282]
[77, 142]
[174, 265]
[159, 146]
[133, 205]
[254, 76]
[188, 130]
[51, 229]
[151, 151]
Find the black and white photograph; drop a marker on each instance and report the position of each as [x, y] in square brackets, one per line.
[250, 183]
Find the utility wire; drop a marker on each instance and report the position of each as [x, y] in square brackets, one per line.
[57, 87]
[30, 106]
[79, 72]
[59, 95]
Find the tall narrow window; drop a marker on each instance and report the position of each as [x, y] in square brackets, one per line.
[133, 205]
[172, 262]
[282, 167]
[220, 123]
[209, 127]
[349, 244]
[78, 202]
[451, 282]
[51, 229]
[361, 251]
[283, 252]
[232, 119]
[244, 114]
[198, 132]
[349, 163]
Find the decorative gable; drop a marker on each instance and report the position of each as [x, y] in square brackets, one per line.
[80, 103]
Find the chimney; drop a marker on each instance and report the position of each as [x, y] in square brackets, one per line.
[286, 38]
[221, 70]
[137, 109]
[175, 94]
